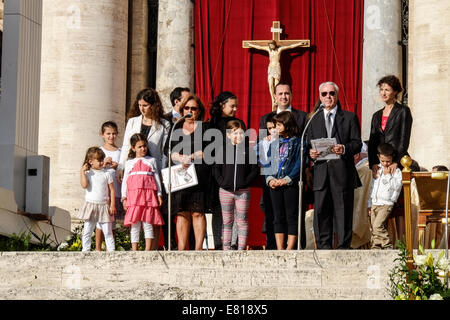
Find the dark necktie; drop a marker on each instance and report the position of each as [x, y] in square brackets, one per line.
[328, 125]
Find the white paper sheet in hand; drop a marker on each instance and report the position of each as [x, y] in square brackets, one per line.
[324, 146]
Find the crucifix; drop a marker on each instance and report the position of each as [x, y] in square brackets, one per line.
[274, 47]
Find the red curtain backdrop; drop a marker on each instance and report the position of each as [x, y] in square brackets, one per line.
[335, 29]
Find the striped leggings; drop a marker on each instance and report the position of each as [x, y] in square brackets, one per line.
[229, 201]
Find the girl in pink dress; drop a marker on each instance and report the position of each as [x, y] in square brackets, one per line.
[141, 192]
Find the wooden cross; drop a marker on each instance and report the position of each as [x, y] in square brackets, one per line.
[274, 69]
[276, 36]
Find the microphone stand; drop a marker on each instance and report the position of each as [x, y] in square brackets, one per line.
[300, 183]
[169, 187]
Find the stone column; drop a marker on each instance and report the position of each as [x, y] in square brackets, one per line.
[175, 66]
[429, 81]
[84, 61]
[382, 53]
[19, 107]
[138, 54]
[2, 5]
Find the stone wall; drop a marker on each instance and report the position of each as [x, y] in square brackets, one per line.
[137, 70]
[175, 65]
[213, 275]
[84, 72]
[429, 80]
[382, 54]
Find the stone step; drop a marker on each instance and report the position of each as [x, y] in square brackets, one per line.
[214, 275]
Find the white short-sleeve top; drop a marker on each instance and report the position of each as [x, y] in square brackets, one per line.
[98, 190]
[115, 156]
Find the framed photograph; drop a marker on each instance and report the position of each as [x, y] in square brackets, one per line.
[181, 178]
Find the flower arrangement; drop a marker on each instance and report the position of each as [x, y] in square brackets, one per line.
[422, 282]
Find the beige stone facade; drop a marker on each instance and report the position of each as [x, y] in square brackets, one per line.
[382, 54]
[175, 48]
[95, 60]
[429, 81]
[84, 76]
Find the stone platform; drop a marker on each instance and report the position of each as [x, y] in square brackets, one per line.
[213, 275]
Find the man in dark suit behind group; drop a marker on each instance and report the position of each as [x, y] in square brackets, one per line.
[176, 97]
[283, 98]
[334, 181]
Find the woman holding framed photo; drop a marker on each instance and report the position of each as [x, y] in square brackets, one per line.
[189, 204]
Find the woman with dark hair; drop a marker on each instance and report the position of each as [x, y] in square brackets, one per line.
[391, 124]
[146, 117]
[190, 204]
[223, 109]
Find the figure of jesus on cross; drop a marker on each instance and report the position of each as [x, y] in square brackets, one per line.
[274, 47]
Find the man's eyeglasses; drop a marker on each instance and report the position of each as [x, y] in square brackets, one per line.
[191, 108]
[325, 93]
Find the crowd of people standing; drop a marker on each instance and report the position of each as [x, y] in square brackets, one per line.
[125, 183]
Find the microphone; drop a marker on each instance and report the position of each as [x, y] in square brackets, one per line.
[300, 183]
[320, 108]
[169, 209]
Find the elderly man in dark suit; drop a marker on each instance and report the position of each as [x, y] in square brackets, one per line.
[283, 98]
[334, 180]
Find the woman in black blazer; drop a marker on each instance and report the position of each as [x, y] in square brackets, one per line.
[392, 124]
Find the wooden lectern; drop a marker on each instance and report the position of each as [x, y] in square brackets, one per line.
[432, 191]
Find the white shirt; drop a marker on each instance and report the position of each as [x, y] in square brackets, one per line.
[176, 115]
[98, 189]
[333, 114]
[287, 109]
[262, 148]
[386, 188]
[149, 161]
[115, 156]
